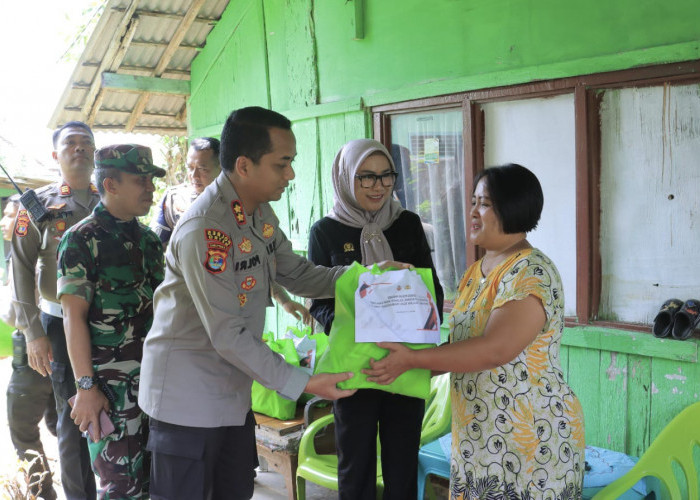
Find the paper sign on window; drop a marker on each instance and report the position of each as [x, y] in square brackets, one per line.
[395, 306]
[431, 149]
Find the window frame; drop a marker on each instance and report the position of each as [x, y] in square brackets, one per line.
[587, 92]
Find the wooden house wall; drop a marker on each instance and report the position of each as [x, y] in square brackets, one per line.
[325, 63]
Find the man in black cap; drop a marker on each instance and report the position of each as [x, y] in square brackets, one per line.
[109, 264]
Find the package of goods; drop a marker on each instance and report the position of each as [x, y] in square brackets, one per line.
[391, 317]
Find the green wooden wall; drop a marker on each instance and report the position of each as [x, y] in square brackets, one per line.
[324, 63]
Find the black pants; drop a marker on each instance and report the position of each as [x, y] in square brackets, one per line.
[198, 463]
[29, 399]
[77, 477]
[399, 419]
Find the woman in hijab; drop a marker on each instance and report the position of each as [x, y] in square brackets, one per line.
[367, 225]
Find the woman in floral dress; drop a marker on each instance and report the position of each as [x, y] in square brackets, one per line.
[517, 427]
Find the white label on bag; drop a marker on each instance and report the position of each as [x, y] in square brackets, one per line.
[395, 306]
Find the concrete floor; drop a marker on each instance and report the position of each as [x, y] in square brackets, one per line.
[268, 485]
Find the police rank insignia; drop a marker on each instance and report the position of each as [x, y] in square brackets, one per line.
[245, 246]
[22, 224]
[348, 247]
[238, 212]
[218, 246]
[268, 230]
[65, 190]
[242, 299]
[248, 283]
[93, 189]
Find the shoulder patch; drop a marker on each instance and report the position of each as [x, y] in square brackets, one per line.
[268, 230]
[22, 224]
[238, 212]
[218, 246]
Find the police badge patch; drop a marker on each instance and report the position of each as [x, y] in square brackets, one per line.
[248, 283]
[22, 225]
[245, 246]
[268, 230]
[218, 246]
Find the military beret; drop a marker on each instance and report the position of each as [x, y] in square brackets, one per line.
[129, 158]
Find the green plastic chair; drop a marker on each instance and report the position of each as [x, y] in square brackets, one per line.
[323, 469]
[675, 443]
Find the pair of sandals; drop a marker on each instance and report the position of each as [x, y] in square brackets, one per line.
[677, 319]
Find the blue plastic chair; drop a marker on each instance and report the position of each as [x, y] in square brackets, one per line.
[436, 423]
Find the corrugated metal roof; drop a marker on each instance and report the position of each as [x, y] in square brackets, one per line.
[130, 76]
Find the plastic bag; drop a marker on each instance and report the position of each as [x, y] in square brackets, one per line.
[266, 400]
[344, 354]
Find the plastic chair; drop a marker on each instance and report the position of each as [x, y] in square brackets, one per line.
[675, 443]
[323, 469]
[436, 423]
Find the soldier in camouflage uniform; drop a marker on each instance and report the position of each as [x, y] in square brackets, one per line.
[109, 264]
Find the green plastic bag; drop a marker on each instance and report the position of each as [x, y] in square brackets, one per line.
[321, 346]
[344, 354]
[266, 400]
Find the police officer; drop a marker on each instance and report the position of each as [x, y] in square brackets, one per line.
[34, 243]
[202, 168]
[204, 348]
[29, 395]
[109, 264]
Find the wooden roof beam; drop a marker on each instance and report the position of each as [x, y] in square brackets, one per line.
[175, 41]
[149, 84]
[117, 48]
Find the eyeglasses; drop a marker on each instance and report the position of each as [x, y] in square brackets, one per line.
[368, 181]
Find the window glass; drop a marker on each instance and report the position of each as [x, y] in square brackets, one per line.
[650, 200]
[539, 134]
[428, 151]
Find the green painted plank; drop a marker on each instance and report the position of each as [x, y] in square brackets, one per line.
[331, 130]
[115, 81]
[612, 415]
[304, 203]
[326, 109]
[564, 360]
[674, 386]
[638, 404]
[584, 367]
[639, 343]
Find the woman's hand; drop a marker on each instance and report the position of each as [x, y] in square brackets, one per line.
[386, 370]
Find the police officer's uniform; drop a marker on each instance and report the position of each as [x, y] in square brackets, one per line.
[204, 348]
[175, 201]
[34, 244]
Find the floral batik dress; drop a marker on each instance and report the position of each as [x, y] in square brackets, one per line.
[517, 430]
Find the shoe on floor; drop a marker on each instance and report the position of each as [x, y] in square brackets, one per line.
[663, 323]
[687, 319]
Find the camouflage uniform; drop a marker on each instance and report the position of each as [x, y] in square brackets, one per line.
[175, 201]
[115, 266]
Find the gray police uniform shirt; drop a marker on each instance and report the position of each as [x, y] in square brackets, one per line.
[175, 201]
[34, 247]
[204, 348]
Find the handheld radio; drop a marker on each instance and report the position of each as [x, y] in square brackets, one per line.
[29, 200]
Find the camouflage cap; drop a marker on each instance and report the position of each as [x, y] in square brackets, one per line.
[129, 158]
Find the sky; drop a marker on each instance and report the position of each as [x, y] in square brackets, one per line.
[34, 37]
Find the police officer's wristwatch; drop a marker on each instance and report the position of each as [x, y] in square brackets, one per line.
[85, 383]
